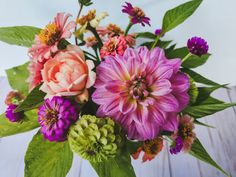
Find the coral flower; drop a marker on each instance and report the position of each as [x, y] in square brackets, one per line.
[47, 40]
[55, 117]
[150, 148]
[113, 46]
[142, 90]
[136, 14]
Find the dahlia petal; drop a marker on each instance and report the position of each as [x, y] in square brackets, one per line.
[171, 123]
[161, 87]
[115, 86]
[180, 83]
[127, 105]
[175, 64]
[183, 100]
[168, 103]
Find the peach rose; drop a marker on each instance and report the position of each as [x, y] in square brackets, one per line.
[68, 73]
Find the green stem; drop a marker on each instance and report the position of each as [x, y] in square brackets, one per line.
[155, 42]
[94, 31]
[186, 57]
[128, 28]
[89, 54]
[80, 10]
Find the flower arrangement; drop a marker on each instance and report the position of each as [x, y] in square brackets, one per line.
[121, 101]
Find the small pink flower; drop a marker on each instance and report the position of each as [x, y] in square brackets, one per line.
[47, 40]
[185, 131]
[35, 77]
[113, 46]
[68, 73]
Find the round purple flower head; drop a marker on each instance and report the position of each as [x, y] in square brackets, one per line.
[55, 117]
[158, 32]
[136, 14]
[177, 146]
[13, 117]
[197, 46]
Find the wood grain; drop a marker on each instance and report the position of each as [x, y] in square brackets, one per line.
[220, 143]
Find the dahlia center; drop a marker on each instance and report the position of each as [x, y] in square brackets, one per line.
[138, 88]
[50, 34]
[51, 117]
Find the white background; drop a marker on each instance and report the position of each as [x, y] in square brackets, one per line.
[215, 21]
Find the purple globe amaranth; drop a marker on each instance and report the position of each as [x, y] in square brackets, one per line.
[142, 90]
[136, 14]
[158, 31]
[197, 46]
[177, 146]
[55, 117]
[13, 117]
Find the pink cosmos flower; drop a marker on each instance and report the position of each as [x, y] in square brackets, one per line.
[142, 90]
[46, 42]
[68, 73]
[113, 46]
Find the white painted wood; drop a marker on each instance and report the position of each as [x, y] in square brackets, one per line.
[219, 142]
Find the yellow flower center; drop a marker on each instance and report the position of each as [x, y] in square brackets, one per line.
[138, 12]
[50, 34]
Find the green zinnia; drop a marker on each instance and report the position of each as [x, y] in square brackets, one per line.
[95, 139]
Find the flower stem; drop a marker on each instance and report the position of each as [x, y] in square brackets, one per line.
[94, 31]
[80, 10]
[186, 57]
[128, 28]
[155, 42]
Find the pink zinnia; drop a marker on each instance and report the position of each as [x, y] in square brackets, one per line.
[47, 40]
[142, 90]
[113, 46]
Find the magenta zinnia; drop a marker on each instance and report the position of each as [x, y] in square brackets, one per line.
[142, 90]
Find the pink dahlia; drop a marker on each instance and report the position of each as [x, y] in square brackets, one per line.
[47, 40]
[113, 46]
[142, 90]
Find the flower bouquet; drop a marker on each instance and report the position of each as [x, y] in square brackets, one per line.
[121, 99]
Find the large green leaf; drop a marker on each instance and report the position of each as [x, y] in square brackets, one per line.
[119, 166]
[206, 109]
[29, 122]
[33, 100]
[198, 151]
[178, 15]
[47, 159]
[192, 62]
[198, 78]
[19, 35]
[17, 77]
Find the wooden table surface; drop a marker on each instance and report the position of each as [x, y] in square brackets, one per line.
[220, 142]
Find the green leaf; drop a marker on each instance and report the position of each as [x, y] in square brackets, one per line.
[211, 100]
[161, 44]
[17, 77]
[206, 109]
[30, 122]
[178, 15]
[133, 146]
[147, 35]
[33, 100]
[204, 93]
[198, 78]
[198, 151]
[192, 62]
[119, 166]
[202, 124]
[19, 35]
[47, 159]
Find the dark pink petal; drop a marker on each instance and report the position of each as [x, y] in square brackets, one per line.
[168, 103]
[171, 123]
[180, 82]
[161, 87]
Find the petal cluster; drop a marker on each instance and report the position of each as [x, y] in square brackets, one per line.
[142, 90]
